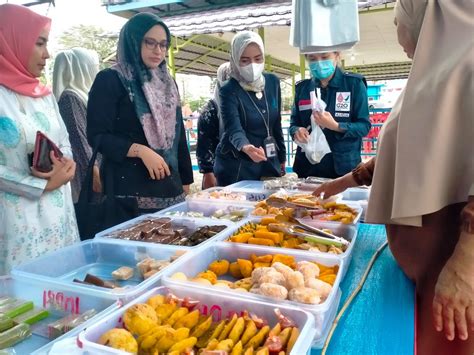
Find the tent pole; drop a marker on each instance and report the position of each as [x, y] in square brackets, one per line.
[302, 66]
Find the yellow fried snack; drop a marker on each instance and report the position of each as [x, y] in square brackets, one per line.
[202, 327]
[188, 321]
[140, 318]
[258, 338]
[155, 301]
[263, 351]
[164, 311]
[237, 330]
[244, 283]
[235, 270]
[249, 351]
[228, 327]
[208, 275]
[238, 349]
[120, 339]
[170, 339]
[275, 330]
[241, 237]
[180, 312]
[149, 339]
[246, 267]
[249, 332]
[204, 339]
[183, 345]
[291, 342]
[225, 345]
[212, 344]
[261, 241]
[285, 336]
[219, 267]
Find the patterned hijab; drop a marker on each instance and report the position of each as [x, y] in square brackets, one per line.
[240, 41]
[19, 30]
[75, 70]
[152, 91]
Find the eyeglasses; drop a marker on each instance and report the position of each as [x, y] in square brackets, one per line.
[151, 44]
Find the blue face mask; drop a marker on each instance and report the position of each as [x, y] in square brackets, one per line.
[322, 69]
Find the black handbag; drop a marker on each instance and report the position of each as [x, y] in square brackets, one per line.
[96, 213]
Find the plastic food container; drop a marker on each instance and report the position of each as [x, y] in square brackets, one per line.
[219, 305]
[192, 223]
[97, 257]
[208, 209]
[346, 231]
[202, 201]
[247, 184]
[60, 303]
[191, 265]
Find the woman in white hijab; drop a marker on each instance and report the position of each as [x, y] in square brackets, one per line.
[252, 144]
[74, 72]
[423, 176]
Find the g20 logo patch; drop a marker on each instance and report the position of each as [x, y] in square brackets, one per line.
[343, 101]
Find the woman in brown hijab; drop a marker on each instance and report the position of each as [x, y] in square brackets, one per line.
[423, 177]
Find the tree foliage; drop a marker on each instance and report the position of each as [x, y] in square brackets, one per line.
[90, 37]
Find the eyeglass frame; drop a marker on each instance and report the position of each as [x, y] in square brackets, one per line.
[151, 44]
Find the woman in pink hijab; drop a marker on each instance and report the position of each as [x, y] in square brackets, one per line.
[36, 210]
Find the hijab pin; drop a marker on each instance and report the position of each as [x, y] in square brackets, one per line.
[259, 95]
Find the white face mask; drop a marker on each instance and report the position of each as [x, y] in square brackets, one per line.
[252, 71]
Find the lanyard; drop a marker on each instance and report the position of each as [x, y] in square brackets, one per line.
[267, 123]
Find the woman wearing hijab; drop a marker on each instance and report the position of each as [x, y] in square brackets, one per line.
[423, 176]
[208, 131]
[252, 144]
[134, 108]
[36, 210]
[73, 75]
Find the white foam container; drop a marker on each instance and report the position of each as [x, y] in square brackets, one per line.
[98, 257]
[192, 223]
[346, 231]
[66, 302]
[219, 305]
[191, 265]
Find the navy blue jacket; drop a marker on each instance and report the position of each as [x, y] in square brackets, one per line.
[243, 124]
[346, 99]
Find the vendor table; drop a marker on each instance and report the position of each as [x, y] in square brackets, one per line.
[381, 318]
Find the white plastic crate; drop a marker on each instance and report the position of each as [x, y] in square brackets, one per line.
[219, 305]
[60, 303]
[98, 257]
[191, 265]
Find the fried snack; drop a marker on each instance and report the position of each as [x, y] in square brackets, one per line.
[245, 266]
[291, 342]
[208, 275]
[258, 338]
[237, 330]
[140, 318]
[219, 267]
[165, 310]
[188, 321]
[238, 349]
[294, 279]
[234, 270]
[249, 332]
[321, 287]
[179, 313]
[304, 295]
[119, 339]
[308, 269]
[271, 290]
[182, 345]
[202, 327]
[123, 273]
[227, 329]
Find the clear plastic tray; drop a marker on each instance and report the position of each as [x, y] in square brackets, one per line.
[98, 257]
[356, 194]
[208, 205]
[191, 222]
[219, 305]
[346, 231]
[65, 302]
[247, 184]
[191, 265]
[206, 208]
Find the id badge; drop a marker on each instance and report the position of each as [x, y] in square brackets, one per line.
[270, 147]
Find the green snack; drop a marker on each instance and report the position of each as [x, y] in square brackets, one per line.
[5, 322]
[32, 317]
[16, 308]
[14, 335]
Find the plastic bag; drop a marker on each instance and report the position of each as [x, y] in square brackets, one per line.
[317, 146]
[324, 25]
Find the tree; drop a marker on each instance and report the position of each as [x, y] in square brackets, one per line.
[90, 37]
